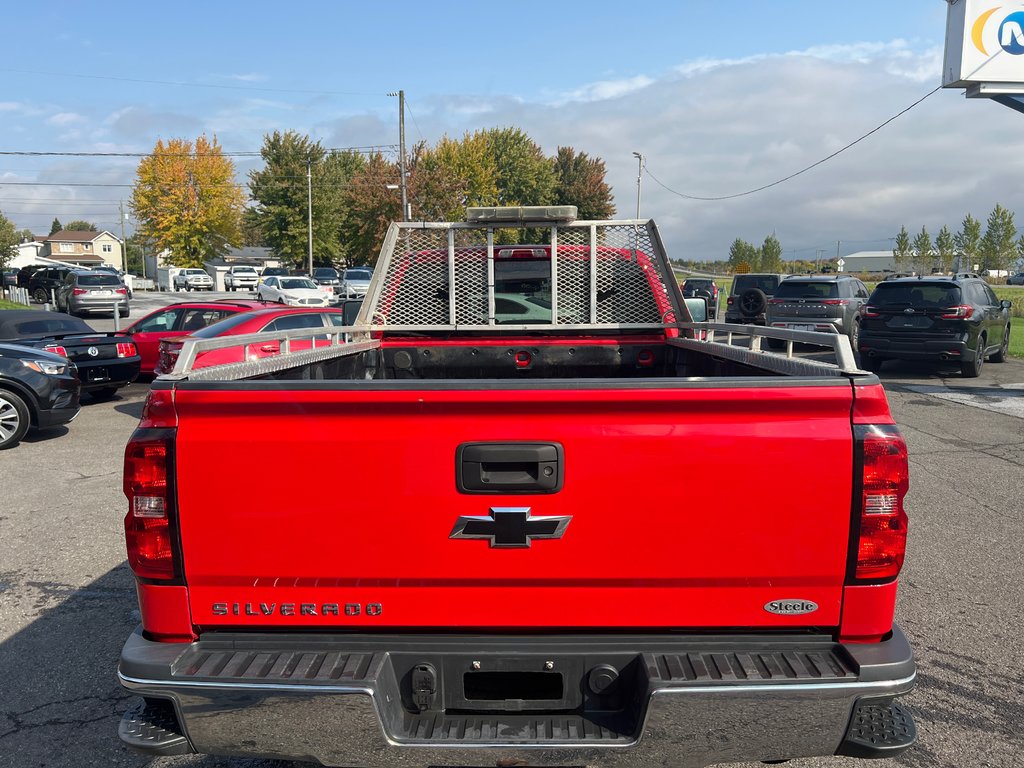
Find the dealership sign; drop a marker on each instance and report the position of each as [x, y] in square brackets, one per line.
[984, 46]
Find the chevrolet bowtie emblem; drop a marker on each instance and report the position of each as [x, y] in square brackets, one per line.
[510, 527]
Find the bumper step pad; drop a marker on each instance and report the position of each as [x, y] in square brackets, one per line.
[878, 730]
[151, 727]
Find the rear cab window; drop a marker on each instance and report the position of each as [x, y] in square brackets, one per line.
[805, 289]
[765, 283]
[98, 280]
[917, 294]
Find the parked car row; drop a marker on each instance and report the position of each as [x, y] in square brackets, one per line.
[937, 318]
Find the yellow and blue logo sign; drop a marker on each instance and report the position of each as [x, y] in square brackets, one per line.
[1010, 33]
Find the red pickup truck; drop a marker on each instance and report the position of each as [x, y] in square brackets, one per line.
[511, 577]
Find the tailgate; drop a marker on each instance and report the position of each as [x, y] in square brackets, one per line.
[689, 506]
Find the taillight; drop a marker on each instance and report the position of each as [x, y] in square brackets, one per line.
[834, 302]
[880, 522]
[868, 311]
[729, 301]
[79, 291]
[776, 301]
[57, 349]
[122, 291]
[959, 312]
[126, 349]
[150, 525]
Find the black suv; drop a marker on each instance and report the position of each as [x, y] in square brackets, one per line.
[43, 283]
[749, 296]
[942, 319]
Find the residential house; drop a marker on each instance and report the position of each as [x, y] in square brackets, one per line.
[88, 249]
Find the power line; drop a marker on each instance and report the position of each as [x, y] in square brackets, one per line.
[192, 85]
[797, 173]
[363, 149]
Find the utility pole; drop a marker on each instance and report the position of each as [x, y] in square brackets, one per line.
[639, 179]
[406, 213]
[309, 206]
[124, 243]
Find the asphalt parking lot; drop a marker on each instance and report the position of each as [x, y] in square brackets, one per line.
[67, 599]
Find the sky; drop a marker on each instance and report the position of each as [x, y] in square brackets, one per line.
[719, 96]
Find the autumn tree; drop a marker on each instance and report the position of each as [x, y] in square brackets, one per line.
[998, 246]
[770, 255]
[945, 248]
[281, 212]
[55, 226]
[922, 252]
[902, 252]
[80, 225]
[580, 182]
[370, 206]
[523, 174]
[8, 241]
[187, 201]
[968, 242]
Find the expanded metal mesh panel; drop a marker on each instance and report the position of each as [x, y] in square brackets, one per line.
[630, 287]
[470, 277]
[602, 273]
[572, 277]
[415, 288]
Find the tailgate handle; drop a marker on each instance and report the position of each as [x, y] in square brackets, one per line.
[509, 467]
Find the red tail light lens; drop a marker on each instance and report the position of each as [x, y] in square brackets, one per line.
[57, 350]
[126, 349]
[776, 301]
[149, 525]
[79, 291]
[833, 302]
[729, 301]
[959, 312]
[881, 520]
[122, 291]
[868, 311]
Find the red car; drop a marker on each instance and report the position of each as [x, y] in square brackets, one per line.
[256, 321]
[178, 319]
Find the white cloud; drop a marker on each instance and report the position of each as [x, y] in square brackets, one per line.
[247, 77]
[604, 89]
[65, 118]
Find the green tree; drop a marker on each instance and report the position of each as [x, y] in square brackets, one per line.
[281, 195]
[923, 258]
[1020, 253]
[968, 242]
[581, 183]
[998, 246]
[252, 235]
[25, 235]
[945, 248]
[136, 247]
[55, 226]
[79, 225]
[523, 175]
[902, 252]
[770, 256]
[187, 202]
[8, 241]
[742, 252]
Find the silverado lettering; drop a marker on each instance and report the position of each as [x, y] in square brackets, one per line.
[487, 395]
[289, 609]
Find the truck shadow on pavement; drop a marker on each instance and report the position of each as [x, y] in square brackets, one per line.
[60, 702]
[131, 408]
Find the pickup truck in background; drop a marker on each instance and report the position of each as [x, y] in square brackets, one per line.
[513, 581]
[241, 277]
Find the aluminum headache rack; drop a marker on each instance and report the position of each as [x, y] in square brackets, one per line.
[595, 275]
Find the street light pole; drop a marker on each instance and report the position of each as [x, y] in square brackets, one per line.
[124, 243]
[309, 205]
[639, 179]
